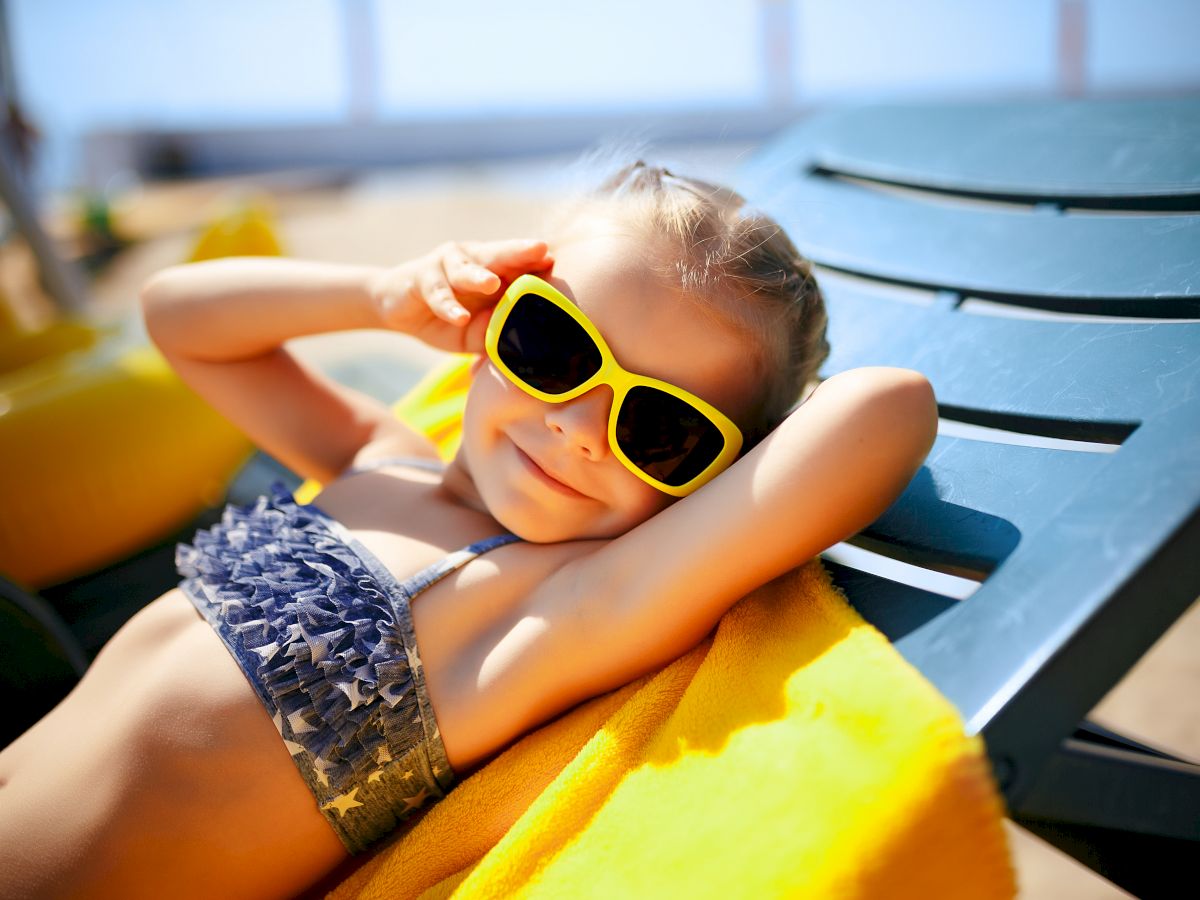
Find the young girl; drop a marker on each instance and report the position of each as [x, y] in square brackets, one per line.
[628, 471]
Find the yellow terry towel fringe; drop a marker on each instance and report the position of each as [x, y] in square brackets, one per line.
[792, 753]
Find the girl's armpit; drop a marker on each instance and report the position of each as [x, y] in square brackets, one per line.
[827, 472]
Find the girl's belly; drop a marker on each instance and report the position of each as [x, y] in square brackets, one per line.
[163, 764]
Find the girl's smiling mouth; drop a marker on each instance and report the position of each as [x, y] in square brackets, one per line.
[545, 476]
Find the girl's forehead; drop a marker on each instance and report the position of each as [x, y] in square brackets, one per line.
[650, 326]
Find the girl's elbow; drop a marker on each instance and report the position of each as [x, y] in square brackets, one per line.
[909, 417]
[151, 299]
[917, 394]
[153, 291]
[914, 411]
[158, 288]
[905, 407]
[156, 296]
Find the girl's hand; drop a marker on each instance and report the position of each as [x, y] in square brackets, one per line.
[445, 297]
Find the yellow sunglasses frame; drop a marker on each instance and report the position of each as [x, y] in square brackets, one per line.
[619, 379]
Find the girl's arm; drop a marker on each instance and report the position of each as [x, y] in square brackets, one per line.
[828, 471]
[223, 326]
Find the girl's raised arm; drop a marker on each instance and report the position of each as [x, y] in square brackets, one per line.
[223, 324]
[828, 471]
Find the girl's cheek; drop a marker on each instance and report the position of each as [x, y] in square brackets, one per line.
[490, 401]
[495, 403]
[503, 395]
[643, 502]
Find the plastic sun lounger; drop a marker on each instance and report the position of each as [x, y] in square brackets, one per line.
[1040, 263]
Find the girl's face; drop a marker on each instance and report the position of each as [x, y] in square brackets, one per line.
[545, 471]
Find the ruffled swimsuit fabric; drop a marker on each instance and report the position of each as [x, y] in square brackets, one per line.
[324, 634]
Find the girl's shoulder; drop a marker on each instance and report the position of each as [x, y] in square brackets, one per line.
[371, 462]
[397, 447]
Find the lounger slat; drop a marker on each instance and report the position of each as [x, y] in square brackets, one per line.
[969, 505]
[1072, 263]
[1081, 373]
[1107, 155]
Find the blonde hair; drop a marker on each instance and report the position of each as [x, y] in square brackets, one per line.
[706, 241]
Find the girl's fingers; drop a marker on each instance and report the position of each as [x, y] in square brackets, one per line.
[459, 276]
[467, 275]
[440, 297]
[510, 255]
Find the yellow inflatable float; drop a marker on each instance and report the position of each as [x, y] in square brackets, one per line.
[103, 451]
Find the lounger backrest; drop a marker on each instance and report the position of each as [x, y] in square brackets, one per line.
[1040, 263]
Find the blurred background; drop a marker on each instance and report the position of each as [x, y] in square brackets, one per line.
[125, 89]
[139, 134]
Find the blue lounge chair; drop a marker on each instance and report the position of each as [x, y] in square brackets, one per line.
[1040, 263]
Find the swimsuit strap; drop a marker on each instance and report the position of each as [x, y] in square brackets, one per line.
[430, 575]
[416, 462]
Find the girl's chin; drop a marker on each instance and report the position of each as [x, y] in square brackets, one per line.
[554, 521]
[539, 524]
[541, 527]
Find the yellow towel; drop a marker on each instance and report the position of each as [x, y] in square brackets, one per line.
[793, 753]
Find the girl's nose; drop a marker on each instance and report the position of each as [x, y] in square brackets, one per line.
[583, 422]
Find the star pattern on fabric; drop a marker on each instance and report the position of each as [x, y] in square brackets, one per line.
[353, 693]
[343, 803]
[414, 659]
[392, 693]
[383, 756]
[267, 651]
[416, 800]
[299, 726]
[292, 747]
[318, 646]
[322, 767]
[375, 776]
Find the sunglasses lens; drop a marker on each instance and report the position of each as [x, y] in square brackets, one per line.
[545, 347]
[668, 439]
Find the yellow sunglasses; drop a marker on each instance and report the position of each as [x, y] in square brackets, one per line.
[545, 345]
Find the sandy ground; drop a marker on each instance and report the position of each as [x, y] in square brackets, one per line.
[393, 216]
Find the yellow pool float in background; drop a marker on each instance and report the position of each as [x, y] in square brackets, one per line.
[247, 230]
[103, 450]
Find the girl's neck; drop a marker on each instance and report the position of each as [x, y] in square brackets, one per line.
[460, 486]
